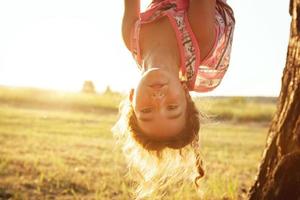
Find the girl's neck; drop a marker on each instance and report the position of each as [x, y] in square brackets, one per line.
[161, 58]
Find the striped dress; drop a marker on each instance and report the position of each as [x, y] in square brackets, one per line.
[200, 75]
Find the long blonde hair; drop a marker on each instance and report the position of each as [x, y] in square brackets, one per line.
[160, 163]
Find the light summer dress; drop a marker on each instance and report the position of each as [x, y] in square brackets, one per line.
[200, 75]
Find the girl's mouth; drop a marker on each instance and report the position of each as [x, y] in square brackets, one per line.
[157, 85]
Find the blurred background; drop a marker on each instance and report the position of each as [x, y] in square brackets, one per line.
[64, 71]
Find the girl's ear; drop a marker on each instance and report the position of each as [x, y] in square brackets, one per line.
[184, 86]
[131, 95]
[186, 89]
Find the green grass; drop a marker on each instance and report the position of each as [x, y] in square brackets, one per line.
[57, 153]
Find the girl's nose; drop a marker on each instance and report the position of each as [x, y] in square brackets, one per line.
[158, 94]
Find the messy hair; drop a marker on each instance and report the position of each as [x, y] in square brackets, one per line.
[161, 162]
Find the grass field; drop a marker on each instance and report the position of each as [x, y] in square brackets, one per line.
[56, 145]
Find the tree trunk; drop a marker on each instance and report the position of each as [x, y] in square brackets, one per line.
[279, 173]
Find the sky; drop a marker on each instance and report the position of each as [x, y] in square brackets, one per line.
[59, 44]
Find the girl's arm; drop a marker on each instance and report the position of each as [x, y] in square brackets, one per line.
[131, 14]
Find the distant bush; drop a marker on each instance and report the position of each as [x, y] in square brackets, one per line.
[237, 100]
[88, 87]
[237, 109]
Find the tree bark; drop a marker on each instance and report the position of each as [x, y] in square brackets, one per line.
[279, 172]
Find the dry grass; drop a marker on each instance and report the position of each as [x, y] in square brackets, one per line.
[56, 153]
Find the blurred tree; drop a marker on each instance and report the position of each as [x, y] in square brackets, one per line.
[279, 172]
[88, 87]
[108, 90]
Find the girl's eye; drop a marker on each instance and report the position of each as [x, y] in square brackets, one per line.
[172, 107]
[146, 110]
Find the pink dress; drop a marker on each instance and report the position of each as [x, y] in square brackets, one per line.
[200, 75]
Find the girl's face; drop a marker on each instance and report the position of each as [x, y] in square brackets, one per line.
[159, 103]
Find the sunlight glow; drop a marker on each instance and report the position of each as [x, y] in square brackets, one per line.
[61, 43]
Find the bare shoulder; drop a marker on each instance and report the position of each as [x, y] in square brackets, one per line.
[131, 15]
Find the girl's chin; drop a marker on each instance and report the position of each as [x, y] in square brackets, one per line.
[155, 76]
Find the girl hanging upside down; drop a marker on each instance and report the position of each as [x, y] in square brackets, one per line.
[179, 46]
